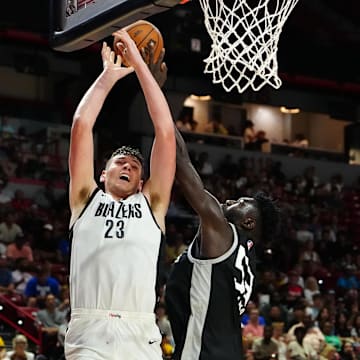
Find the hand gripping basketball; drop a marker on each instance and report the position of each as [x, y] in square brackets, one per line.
[145, 35]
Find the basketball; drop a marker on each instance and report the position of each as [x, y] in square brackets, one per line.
[143, 33]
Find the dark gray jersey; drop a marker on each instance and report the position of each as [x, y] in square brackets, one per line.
[205, 299]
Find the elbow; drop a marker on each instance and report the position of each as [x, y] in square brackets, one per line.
[167, 138]
[78, 118]
[79, 123]
[166, 131]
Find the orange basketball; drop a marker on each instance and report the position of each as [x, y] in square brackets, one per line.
[143, 33]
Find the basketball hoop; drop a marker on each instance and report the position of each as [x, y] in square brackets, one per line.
[245, 41]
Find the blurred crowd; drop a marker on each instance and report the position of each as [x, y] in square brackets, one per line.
[306, 299]
[305, 303]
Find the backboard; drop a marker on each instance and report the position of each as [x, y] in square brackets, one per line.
[77, 24]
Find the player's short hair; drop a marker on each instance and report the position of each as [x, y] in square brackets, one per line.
[128, 151]
[270, 216]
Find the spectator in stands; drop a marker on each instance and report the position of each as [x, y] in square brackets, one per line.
[314, 335]
[303, 234]
[175, 248]
[7, 130]
[249, 135]
[20, 345]
[311, 180]
[336, 184]
[5, 194]
[342, 326]
[295, 319]
[292, 291]
[2, 250]
[3, 355]
[260, 140]
[298, 267]
[298, 350]
[6, 280]
[61, 334]
[49, 320]
[266, 283]
[63, 249]
[203, 165]
[64, 303]
[32, 168]
[311, 288]
[246, 315]
[265, 348]
[21, 274]
[329, 353]
[185, 121]
[323, 316]
[348, 280]
[275, 314]
[300, 141]
[19, 248]
[20, 201]
[216, 126]
[308, 252]
[45, 197]
[9, 163]
[355, 326]
[253, 330]
[327, 246]
[45, 244]
[348, 351]
[226, 167]
[316, 306]
[9, 229]
[39, 286]
[279, 337]
[331, 339]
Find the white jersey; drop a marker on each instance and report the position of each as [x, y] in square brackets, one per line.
[114, 255]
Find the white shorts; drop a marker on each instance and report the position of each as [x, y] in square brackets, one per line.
[112, 335]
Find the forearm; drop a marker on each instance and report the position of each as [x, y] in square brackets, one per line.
[186, 175]
[156, 102]
[191, 183]
[93, 100]
[203, 203]
[181, 149]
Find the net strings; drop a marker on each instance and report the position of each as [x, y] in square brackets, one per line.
[245, 42]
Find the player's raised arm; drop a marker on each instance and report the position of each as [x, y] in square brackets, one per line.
[162, 163]
[204, 204]
[81, 154]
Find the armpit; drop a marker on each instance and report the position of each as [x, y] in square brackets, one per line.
[155, 201]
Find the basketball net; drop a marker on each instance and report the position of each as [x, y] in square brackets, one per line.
[245, 41]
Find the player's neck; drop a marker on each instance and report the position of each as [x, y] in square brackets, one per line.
[119, 196]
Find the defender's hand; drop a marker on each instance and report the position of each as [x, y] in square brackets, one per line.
[158, 69]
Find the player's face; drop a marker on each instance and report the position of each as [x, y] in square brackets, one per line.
[122, 176]
[242, 212]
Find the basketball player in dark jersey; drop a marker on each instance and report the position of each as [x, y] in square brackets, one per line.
[211, 283]
[116, 233]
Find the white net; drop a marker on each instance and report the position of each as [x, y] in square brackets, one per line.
[245, 41]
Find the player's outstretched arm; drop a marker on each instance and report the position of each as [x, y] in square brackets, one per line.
[81, 154]
[157, 68]
[162, 162]
[214, 226]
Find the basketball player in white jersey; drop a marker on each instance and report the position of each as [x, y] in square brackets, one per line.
[211, 283]
[116, 233]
